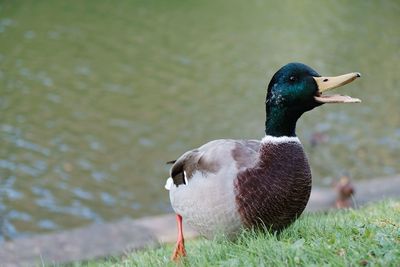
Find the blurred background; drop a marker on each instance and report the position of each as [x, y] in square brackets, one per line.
[97, 95]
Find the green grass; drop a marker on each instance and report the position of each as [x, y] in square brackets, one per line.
[368, 236]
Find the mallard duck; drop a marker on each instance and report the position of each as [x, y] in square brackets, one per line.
[226, 184]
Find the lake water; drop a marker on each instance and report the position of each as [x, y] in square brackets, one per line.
[97, 96]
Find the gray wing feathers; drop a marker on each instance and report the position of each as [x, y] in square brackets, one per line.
[246, 153]
[214, 155]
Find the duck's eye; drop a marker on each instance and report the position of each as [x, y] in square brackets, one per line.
[292, 78]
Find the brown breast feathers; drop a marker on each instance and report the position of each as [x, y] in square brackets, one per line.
[276, 190]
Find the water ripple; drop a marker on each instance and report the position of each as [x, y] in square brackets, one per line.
[18, 215]
[4, 23]
[47, 224]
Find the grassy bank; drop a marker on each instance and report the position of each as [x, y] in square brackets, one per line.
[368, 236]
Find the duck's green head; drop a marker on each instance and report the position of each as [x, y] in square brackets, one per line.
[295, 89]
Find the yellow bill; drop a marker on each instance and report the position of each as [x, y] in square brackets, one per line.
[327, 83]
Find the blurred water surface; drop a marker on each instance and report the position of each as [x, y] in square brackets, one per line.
[96, 96]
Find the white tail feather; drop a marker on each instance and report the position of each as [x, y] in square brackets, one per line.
[169, 183]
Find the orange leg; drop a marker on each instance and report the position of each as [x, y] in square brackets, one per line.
[180, 244]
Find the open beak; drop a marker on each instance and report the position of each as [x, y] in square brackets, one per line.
[328, 83]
